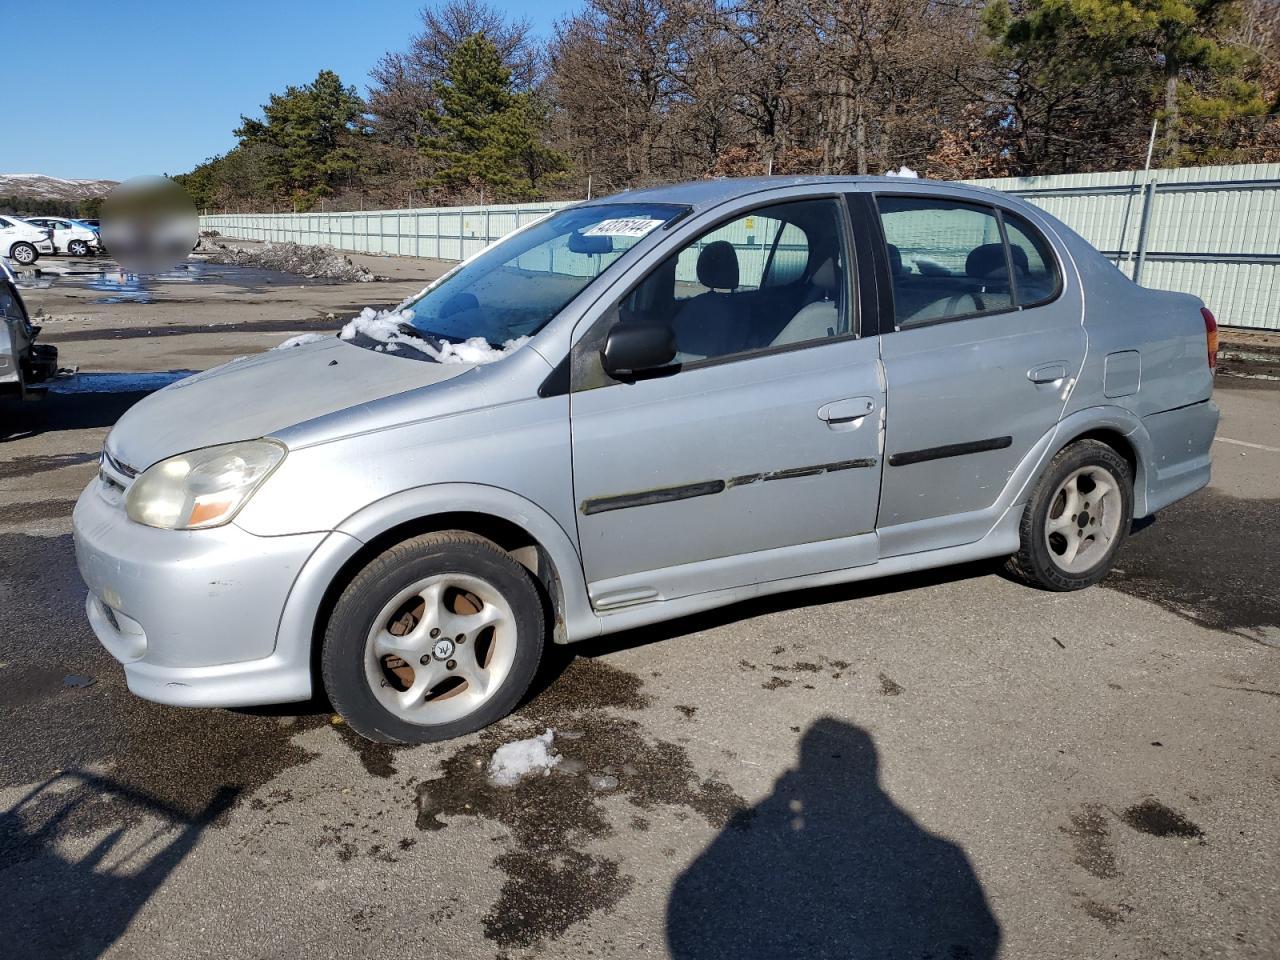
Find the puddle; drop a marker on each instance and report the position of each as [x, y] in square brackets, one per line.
[550, 882]
[1091, 839]
[122, 286]
[1153, 817]
[1233, 537]
[118, 382]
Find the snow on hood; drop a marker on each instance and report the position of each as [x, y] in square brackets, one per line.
[387, 327]
[263, 394]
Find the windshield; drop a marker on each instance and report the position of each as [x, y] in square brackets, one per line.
[513, 289]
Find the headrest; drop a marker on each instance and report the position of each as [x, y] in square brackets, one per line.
[895, 261]
[718, 266]
[825, 278]
[987, 261]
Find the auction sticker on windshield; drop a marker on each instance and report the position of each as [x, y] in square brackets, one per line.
[622, 227]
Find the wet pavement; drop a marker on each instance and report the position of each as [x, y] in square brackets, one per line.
[945, 764]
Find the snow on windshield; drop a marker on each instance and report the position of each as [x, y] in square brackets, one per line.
[387, 327]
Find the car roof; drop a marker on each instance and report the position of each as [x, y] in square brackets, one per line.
[701, 194]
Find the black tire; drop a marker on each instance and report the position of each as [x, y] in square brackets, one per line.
[1036, 562]
[24, 253]
[78, 248]
[342, 658]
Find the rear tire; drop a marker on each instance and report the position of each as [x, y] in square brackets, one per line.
[1076, 519]
[23, 253]
[78, 248]
[437, 637]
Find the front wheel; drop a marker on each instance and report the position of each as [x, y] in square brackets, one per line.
[78, 248]
[437, 637]
[23, 253]
[1076, 519]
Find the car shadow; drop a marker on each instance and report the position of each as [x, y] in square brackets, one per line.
[58, 412]
[829, 866]
[59, 904]
[779, 602]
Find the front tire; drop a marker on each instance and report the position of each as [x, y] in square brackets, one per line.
[23, 253]
[437, 637]
[1076, 519]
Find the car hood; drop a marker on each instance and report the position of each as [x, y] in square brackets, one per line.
[260, 395]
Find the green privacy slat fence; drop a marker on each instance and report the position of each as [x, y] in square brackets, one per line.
[1210, 231]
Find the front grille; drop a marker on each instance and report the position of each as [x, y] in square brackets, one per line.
[118, 466]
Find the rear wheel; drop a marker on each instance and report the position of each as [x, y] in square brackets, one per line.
[437, 637]
[78, 248]
[1076, 519]
[23, 253]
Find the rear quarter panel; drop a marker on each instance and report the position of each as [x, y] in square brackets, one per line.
[1165, 329]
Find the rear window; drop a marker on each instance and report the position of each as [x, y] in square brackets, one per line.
[1034, 268]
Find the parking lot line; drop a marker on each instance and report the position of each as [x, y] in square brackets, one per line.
[1246, 443]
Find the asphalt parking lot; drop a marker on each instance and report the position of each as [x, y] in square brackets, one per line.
[943, 765]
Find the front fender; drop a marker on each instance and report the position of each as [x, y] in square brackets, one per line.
[298, 619]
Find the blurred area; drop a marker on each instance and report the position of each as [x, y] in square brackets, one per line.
[149, 224]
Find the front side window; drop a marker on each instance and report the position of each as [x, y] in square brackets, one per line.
[947, 259]
[514, 288]
[772, 278]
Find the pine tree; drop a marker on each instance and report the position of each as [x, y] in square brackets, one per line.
[490, 138]
[309, 136]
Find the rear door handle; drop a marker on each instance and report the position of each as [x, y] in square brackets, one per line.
[845, 411]
[1047, 373]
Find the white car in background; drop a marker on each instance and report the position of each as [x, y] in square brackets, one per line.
[69, 236]
[23, 242]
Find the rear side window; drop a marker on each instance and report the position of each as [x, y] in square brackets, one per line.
[1034, 269]
[947, 259]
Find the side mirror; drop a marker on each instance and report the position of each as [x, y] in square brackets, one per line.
[632, 348]
[581, 243]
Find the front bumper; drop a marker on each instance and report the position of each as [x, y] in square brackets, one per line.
[192, 615]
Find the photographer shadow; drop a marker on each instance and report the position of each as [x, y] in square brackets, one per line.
[828, 866]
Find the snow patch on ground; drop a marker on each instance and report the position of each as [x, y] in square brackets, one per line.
[387, 327]
[305, 260]
[903, 171]
[512, 762]
[302, 339]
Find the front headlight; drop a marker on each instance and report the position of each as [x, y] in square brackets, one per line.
[203, 488]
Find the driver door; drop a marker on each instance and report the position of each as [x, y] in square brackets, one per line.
[755, 455]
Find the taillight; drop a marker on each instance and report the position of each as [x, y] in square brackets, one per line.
[1210, 335]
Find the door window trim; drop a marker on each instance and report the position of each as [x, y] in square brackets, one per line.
[851, 279]
[998, 211]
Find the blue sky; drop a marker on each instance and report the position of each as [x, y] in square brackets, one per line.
[123, 88]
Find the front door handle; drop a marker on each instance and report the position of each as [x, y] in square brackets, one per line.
[846, 411]
[1048, 373]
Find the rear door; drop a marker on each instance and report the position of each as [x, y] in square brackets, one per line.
[984, 343]
[755, 456]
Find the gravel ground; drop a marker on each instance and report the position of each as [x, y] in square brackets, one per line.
[942, 765]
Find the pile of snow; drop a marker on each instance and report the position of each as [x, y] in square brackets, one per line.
[903, 171]
[512, 762]
[301, 339]
[387, 328]
[305, 260]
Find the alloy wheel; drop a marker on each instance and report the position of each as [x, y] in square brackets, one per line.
[1084, 519]
[440, 648]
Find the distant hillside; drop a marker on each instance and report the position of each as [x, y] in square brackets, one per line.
[39, 187]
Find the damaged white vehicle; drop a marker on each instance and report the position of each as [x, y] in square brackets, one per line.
[638, 408]
[24, 364]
